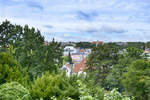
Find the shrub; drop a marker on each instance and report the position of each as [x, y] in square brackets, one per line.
[115, 95]
[14, 91]
[49, 86]
[10, 70]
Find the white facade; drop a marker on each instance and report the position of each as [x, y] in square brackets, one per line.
[70, 49]
[67, 69]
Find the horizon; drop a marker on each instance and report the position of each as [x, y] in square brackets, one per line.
[82, 20]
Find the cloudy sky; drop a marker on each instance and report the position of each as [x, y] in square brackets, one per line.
[82, 20]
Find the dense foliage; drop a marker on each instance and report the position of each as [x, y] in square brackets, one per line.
[14, 91]
[10, 70]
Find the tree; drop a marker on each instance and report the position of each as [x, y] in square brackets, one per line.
[136, 78]
[9, 34]
[51, 57]
[125, 59]
[10, 70]
[29, 48]
[148, 44]
[84, 45]
[135, 52]
[139, 45]
[114, 78]
[101, 60]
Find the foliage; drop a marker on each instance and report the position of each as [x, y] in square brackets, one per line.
[28, 47]
[68, 59]
[48, 86]
[10, 70]
[84, 45]
[114, 78]
[101, 61]
[8, 33]
[85, 93]
[14, 91]
[135, 79]
[134, 52]
[139, 45]
[115, 95]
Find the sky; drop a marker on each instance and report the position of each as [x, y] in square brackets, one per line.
[82, 20]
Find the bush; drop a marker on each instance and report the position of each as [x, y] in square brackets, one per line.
[47, 86]
[10, 70]
[115, 95]
[14, 91]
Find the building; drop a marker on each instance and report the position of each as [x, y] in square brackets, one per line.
[98, 43]
[79, 68]
[67, 68]
[147, 50]
[70, 49]
[77, 57]
[77, 54]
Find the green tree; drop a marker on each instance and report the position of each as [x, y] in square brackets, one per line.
[9, 34]
[125, 59]
[135, 79]
[10, 70]
[101, 61]
[134, 52]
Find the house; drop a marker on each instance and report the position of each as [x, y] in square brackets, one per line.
[70, 49]
[147, 50]
[77, 57]
[98, 43]
[146, 53]
[79, 68]
[67, 68]
[85, 52]
[121, 43]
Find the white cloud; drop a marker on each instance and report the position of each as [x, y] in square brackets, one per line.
[115, 20]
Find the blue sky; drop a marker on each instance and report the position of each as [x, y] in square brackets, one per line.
[82, 20]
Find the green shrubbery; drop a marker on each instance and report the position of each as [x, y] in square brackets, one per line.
[10, 70]
[14, 91]
[50, 85]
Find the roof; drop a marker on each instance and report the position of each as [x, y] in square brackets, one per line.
[80, 66]
[98, 42]
[82, 50]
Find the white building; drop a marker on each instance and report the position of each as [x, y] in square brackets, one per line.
[67, 68]
[70, 49]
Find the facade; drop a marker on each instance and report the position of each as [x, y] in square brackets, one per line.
[147, 50]
[77, 68]
[77, 54]
[67, 68]
[77, 57]
[98, 43]
[70, 49]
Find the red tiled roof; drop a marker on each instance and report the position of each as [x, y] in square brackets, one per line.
[98, 42]
[82, 50]
[79, 67]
